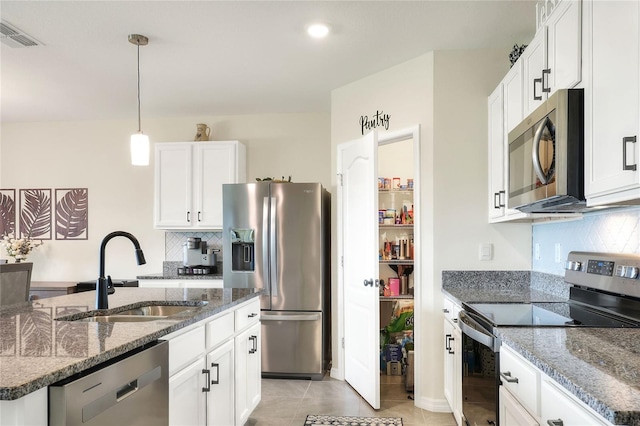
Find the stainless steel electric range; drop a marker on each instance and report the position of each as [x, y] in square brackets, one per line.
[604, 293]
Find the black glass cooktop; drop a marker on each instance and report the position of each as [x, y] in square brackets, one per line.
[562, 314]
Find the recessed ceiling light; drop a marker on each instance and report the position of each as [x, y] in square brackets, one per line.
[318, 30]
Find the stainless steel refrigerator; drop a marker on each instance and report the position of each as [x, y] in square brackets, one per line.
[276, 236]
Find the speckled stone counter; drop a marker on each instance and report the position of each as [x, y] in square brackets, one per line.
[170, 272]
[36, 350]
[601, 367]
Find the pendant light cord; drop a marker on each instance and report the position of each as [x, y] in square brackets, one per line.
[139, 125]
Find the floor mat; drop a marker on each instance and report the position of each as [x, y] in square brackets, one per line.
[313, 420]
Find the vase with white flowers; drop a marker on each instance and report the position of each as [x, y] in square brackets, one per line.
[19, 248]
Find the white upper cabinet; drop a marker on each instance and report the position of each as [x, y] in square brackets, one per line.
[188, 182]
[513, 106]
[534, 61]
[496, 155]
[505, 108]
[612, 102]
[553, 59]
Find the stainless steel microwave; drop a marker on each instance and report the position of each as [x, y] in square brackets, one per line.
[546, 157]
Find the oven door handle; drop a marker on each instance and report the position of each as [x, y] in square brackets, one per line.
[471, 328]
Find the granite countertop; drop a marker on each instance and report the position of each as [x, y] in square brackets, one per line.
[170, 272]
[600, 366]
[36, 350]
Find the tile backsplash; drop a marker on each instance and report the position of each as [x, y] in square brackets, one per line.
[173, 242]
[613, 231]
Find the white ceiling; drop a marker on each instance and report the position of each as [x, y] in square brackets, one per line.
[226, 57]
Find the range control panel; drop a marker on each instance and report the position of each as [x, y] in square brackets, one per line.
[600, 267]
[616, 273]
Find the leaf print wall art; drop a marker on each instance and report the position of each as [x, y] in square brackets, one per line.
[7, 212]
[72, 214]
[35, 213]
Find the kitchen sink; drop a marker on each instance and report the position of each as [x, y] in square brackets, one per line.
[157, 310]
[142, 313]
[120, 318]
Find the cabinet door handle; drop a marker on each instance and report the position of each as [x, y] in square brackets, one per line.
[368, 282]
[447, 338]
[199, 218]
[625, 141]
[507, 376]
[557, 422]
[252, 315]
[188, 216]
[536, 81]
[445, 310]
[254, 344]
[208, 373]
[451, 351]
[501, 199]
[217, 367]
[496, 200]
[545, 87]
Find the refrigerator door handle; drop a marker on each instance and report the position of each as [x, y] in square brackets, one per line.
[301, 317]
[273, 252]
[265, 240]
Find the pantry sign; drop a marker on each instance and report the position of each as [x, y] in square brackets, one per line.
[379, 119]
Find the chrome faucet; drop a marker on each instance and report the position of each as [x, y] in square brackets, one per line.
[104, 284]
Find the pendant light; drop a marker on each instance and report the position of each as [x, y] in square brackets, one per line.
[139, 141]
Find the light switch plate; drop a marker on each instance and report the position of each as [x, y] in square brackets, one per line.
[486, 251]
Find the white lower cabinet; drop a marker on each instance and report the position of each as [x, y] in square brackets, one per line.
[215, 371]
[220, 398]
[560, 408]
[187, 402]
[530, 397]
[248, 382]
[452, 359]
[512, 413]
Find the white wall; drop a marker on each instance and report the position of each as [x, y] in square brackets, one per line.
[446, 94]
[94, 155]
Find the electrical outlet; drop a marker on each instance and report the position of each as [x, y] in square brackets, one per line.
[558, 253]
[536, 251]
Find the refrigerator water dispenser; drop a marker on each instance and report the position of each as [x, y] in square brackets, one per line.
[243, 250]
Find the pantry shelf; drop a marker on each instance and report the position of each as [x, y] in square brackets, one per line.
[399, 226]
[396, 262]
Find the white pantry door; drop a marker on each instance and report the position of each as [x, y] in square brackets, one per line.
[358, 210]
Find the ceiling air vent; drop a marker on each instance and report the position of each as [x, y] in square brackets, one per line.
[11, 36]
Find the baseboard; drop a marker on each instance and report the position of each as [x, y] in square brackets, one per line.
[434, 405]
[336, 373]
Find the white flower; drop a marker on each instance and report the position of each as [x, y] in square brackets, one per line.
[19, 248]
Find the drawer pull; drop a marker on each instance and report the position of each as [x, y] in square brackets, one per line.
[555, 422]
[445, 310]
[507, 376]
[251, 315]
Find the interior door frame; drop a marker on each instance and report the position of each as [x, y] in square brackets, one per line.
[386, 138]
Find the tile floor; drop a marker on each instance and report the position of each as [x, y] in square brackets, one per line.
[287, 403]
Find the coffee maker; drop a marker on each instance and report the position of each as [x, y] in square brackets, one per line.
[197, 259]
[192, 251]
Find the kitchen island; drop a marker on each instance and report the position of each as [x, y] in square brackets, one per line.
[37, 350]
[598, 366]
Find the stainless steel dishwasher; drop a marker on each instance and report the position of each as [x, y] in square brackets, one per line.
[132, 389]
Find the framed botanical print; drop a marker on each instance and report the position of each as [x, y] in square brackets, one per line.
[35, 214]
[72, 214]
